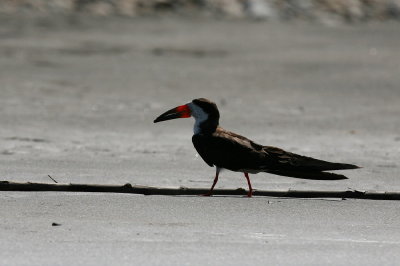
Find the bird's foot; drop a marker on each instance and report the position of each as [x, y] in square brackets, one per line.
[206, 195]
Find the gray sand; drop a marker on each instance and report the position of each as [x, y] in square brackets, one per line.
[77, 102]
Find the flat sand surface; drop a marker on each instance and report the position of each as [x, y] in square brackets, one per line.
[78, 100]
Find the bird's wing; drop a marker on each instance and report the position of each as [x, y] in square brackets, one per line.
[286, 161]
[228, 150]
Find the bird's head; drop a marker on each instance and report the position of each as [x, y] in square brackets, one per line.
[204, 111]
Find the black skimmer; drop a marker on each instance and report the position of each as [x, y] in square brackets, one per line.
[226, 150]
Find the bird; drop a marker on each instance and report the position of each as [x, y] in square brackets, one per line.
[224, 149]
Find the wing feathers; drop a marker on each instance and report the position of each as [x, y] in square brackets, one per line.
[292, 161]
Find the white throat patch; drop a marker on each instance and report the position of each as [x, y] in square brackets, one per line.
[199, 115]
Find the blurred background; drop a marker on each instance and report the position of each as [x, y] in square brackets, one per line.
[82, 81]
[320, 10]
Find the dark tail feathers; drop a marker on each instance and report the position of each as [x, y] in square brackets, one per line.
[310, 174]
[308, 164]
[340, 166]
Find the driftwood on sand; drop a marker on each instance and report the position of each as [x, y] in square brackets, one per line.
[182, 191]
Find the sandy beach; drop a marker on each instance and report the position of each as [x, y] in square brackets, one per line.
[78, 100]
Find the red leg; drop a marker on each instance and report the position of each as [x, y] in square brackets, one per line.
[249, 183]
[209, 193]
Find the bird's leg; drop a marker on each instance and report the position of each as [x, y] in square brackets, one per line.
[209, 193]
[249, 183]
